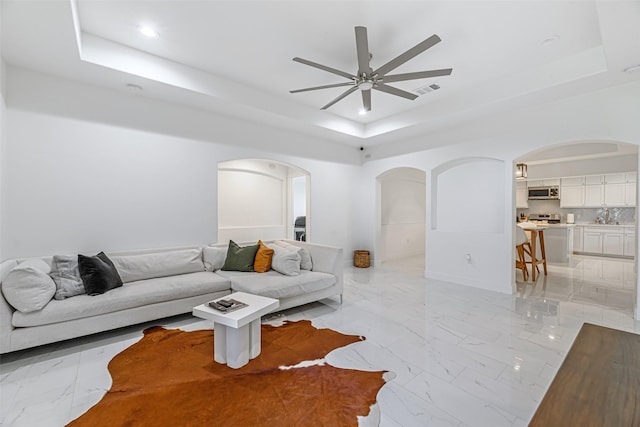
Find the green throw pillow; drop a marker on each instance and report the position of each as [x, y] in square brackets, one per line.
[240, 258]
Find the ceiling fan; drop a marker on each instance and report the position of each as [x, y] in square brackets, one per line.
[367, 78]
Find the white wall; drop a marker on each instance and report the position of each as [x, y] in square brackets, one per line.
[402, 217]
[3, 139]
[79, 186]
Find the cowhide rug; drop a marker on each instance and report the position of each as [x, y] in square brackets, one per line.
[169, 378]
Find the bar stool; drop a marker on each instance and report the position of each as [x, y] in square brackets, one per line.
[535, 232]
[521, 241]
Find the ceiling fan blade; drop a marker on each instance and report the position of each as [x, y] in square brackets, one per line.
[401, 59]
[366, 100]
[343, 95]
[417, 75]
[395, 91]
[324, 67]
[321, 87]
[362, 49]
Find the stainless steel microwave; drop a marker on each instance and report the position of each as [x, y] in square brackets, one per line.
[543, 193]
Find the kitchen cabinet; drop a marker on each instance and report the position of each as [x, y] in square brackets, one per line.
[629, 242]
[615, 194]
[630, 194]
[558, 242]
[594, 195]
[613, 241]
[572, 181]
[522, 195]
[547, 182]
[594, 179]
[606, 240]
[577, 239]
[572, 196]
[615, 178]
[592, 240]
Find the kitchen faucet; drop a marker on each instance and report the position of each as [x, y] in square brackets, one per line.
[606, 216]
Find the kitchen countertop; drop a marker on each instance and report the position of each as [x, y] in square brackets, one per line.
[594, 224]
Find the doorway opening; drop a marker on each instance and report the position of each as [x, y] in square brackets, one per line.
[592, 225]
[401, 220]
[262, 199]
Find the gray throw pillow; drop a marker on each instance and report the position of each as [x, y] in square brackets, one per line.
[65, 274]
[240, 258]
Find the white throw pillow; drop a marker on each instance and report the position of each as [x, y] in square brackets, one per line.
[305, 256]
[66, 275]
[213, 258]
[285, 261]
[28, 287]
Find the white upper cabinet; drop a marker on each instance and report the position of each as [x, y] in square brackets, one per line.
[571, 196]
[594, 195]
[593, 191]
[615, 194]
[615, 178]
[547, 182]
[572, 181]
[522, 195]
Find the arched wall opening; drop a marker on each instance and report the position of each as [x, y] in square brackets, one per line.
[262, 199]
[596, 179]
[401, 217]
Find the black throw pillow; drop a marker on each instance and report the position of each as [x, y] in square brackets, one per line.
[98, 274]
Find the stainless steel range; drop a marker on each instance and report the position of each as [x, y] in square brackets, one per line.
[550, 218]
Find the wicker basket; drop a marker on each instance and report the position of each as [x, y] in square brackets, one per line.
[361, 259]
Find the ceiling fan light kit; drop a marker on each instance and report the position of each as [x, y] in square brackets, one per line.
[366, 78]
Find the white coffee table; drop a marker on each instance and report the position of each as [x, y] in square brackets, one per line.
[237, 335]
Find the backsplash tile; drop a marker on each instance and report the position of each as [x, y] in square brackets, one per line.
[582, 215]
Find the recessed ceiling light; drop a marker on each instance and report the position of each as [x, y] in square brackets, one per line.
[362, 112]
[550, 40]
[633, 69]
[148, 31]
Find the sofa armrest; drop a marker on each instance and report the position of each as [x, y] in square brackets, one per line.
[326, 259]
[6, 311]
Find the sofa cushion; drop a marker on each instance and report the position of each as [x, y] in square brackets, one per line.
[213, 257]
[305, 256]
[65, 274]
[276, 285]
[98, 273]
[240, 258]
[285, 261]
[131, 295]
[28, 287]
[262, 262]
[159, 264]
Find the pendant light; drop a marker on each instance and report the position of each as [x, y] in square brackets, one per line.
[521, 171]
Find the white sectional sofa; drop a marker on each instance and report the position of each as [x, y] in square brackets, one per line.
[159, 283]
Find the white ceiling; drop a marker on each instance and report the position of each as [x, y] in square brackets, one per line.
[234, 57]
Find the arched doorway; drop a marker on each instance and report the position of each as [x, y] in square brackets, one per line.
[592, 263]
[262, 199]
[400, 234]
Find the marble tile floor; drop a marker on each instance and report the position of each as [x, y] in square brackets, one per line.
[462, 356]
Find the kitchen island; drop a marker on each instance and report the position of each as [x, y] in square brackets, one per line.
[559, 242]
